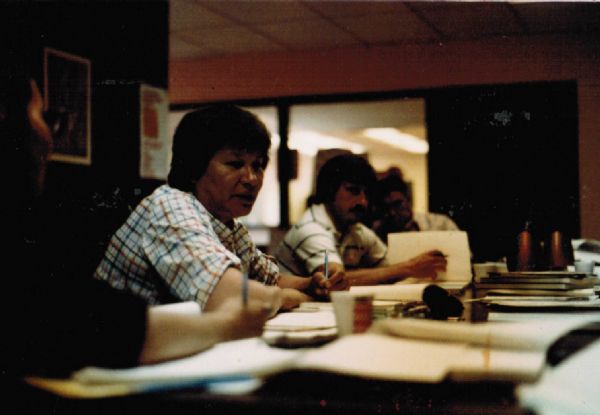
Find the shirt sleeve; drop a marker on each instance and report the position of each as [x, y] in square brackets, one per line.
[309, 244]
[264, 268]
[186, 252]
[376, 254]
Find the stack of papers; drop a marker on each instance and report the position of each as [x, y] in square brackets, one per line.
[543, 289]
[309, 325]
[313, 323]
[540, 280]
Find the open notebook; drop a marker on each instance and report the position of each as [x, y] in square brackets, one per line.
[411, 350]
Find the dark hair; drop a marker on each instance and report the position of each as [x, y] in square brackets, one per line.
[15, 93]
[343, 168]
[15, 130]
[205, 131]
[392, 183]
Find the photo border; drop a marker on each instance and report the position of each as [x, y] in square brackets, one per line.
[50, 90]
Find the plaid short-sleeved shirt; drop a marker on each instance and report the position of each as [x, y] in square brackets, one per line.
[172, 249]
[303, 247]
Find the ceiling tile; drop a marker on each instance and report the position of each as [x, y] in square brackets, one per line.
[185, 14]
[560, 17]
[259, 11]
[233, 26]
[182, 49]
[469, 21]
[388, 28]
[310, 34]
[232, 39]
[337, 9]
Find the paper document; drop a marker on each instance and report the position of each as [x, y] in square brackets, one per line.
[411, 350]
[569, 388]
[531, 335]
[306, 326]
[403, 246]
[375, 356]
[299, 321]
[398, 292]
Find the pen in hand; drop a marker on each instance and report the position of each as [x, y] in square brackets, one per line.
[326, 265]
[245, 289]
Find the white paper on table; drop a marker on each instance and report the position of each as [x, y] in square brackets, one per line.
[403, 246]
[396, 292]
[374, 356]
[302, 321]
[247, 357]
[524, 335]
[569, 388]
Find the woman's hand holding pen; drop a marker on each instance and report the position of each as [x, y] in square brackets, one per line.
[239, 321]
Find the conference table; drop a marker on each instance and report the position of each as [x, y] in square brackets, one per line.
[309, 392]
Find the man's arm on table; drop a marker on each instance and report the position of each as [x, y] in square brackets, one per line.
[423, 266]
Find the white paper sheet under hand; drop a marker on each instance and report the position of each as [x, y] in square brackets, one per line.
[403, 246]
[246, 357]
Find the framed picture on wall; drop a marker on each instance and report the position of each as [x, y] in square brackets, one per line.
[67, 104]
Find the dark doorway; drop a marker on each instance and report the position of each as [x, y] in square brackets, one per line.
[501, 156]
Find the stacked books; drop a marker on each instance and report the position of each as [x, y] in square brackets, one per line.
[539, 289]
[536, 280]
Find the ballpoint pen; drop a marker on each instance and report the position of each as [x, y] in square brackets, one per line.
[245, 289]
[326, 265]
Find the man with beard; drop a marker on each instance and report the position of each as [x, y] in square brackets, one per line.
[331, 228]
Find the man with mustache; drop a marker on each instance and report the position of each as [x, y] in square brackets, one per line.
[184, 242]
[333, 227]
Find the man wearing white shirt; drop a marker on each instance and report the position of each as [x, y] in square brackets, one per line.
[333, 226]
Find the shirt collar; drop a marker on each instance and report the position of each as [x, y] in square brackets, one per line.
[223, 231]
[320, 214]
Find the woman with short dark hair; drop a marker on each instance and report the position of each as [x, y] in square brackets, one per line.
[54, 323]
[184, 241]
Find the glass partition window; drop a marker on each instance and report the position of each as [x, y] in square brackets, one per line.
[391, 133]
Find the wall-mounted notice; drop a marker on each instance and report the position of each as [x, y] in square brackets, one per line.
[155, 145]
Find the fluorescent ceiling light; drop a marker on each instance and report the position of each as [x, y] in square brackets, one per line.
[398, 139]
[309, 142]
